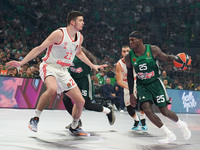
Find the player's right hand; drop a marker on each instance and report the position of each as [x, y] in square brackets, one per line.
[12, 64]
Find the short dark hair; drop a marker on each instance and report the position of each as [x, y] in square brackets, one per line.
[136, 34]
[125, 46]
[72, 16]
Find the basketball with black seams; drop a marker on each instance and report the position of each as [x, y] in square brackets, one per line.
[182, 61]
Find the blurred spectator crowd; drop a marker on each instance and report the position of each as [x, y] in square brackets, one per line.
[25, 24]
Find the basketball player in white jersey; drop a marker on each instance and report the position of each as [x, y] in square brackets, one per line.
[62, 45]
[121, 77]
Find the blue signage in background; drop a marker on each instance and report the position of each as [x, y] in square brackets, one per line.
[184, 101]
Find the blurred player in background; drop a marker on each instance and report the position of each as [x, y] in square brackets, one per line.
[121, 77]
[81, 73]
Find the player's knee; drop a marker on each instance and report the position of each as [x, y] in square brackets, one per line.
[165, 112]
[131, 110]
[146, 110]
[51, 91]
[81, 103]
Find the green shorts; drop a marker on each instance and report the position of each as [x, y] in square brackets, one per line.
[85, 86]
[154, 92]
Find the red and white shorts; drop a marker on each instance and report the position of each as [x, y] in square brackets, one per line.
[64, 80]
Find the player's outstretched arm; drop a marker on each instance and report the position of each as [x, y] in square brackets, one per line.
[54, 37]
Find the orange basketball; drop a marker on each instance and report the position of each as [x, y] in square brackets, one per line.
[182, 61]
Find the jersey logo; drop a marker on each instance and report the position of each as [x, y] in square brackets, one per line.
[63, 63]
[76, 70]
[148, 54]
[79, 70]
[134, 59]
[145, 75]
[69, 85]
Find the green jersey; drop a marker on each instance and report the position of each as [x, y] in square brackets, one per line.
[81, 73]
[146, 66]
[79, 69]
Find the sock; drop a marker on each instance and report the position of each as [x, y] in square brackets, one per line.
[142, 115]
[165, 129]
[106, 110]
[74, 123]
[37, 113]
[179, 123]
[136, 118]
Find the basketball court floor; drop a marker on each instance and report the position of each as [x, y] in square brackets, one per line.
[52, 135]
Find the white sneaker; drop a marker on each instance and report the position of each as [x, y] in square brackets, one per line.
[122, 111]
[168, 138]
[185, 131]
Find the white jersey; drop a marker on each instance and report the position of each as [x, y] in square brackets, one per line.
[124, 79]
[62, 54]
[123, 70]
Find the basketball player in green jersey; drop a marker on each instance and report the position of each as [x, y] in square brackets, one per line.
[150, 89]
[81, 73]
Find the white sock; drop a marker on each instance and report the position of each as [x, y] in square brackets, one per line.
[37, 113]
[142, 116]
[74, 123]
[106, 110]
[136, 118]
[165, 129]
[179, 123]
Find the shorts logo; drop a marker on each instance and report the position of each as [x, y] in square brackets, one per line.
[69, 85]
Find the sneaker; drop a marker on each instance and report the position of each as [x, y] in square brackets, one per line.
[185, 131]
[111, 116]
[136, 126]
[78, 132]
[33, 124]
[79, 124]
[121, 111]
[168, 138]
[143, 125]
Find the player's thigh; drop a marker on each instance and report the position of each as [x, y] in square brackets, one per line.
[51, 83]
[160, 94]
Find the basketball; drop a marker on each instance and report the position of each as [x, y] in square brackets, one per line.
[182, 61]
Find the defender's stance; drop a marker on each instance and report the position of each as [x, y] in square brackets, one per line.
[62, 45]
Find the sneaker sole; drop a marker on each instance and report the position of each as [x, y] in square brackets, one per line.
[187, 138]
[80, 134]
[172, 140]
[111, 123]
[31, 128]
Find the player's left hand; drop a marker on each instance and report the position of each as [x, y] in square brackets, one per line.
[96, 67]
[133, 100]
